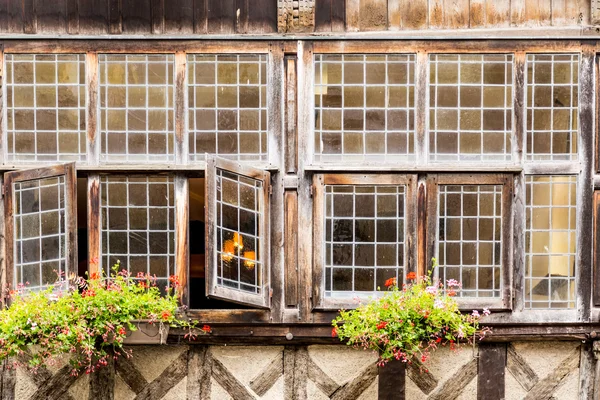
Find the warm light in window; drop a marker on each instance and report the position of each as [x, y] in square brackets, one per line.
[250, 257]
[228, 250]
[237, 241]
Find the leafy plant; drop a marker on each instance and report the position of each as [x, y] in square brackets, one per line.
[410, 321]
[88, 322]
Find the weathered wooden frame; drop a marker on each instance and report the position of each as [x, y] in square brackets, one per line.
[10, 178]
[319, 182]
[433, 182]
[212, 288]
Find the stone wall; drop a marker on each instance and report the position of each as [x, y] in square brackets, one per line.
[534, 370]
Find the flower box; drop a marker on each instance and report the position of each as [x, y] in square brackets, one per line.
[147, 333]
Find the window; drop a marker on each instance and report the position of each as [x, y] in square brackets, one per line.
[362, 228]
[45, 107]
[136, 107]
[227, 97]
[470, 103]
[364, 107]
[237, 234]
[41, 241]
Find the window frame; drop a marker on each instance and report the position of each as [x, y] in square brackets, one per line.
[320, 302]
[504, 302]
[262, 300]
[67, 170]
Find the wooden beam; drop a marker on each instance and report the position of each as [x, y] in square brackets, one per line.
[102, 381]
[181, 110]
[57, 386]
[199, 371]
[8, 381]
[266, 378]
[295, 371]
[170, 377]
[392, 381]
[130, 375]
[520, 369]
[321, 379]
[490, 378]
[182, 251]
[229, 382]
[94, 224]
[354, 388]
[91, 101]
[453, 386]
[546, 387]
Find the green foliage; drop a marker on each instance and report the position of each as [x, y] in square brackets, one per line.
[87, 322]
[410, 321]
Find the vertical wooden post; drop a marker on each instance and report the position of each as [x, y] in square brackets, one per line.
[94, 224]
[490, 378]
[181, 115]
[392, 381]
[102, 381]
[91, 99]
[182, 252]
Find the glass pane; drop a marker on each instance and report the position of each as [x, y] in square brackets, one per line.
[364, 238]
[550, 241]
[470, 102]
[470, 238]
[227, 106]
[364, 107]
[46, 108]
[138, 225]
[136, 107]
[39, 224]
[239, 260]
[552, 101]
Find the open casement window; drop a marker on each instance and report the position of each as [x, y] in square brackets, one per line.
[237, 231]
[364, 234]
[469, 230]
[41, 230]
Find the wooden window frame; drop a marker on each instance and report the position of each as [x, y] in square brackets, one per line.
[504, 302]
[10, 178]
[261, 300]
[320, 302]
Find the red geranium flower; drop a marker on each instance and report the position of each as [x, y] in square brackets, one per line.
[206, 328]
[165, 314]
[390, 282]
[411, 275]
[381, 325]
[334, 332]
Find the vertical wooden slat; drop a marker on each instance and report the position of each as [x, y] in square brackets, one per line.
[221, 16]
[477, 13]
[587, 372]
[490, 378]
[517, 12]
[412, 224]
[182, 252]
[394, 16]
[584, 221]
[72, 17]
[577, 12]
[9, 234]
[352, 15]
[15, 16]
[262, 16]
[456, 14]
[136, 16]
[373, 15]
[275, 95]
[305, 209]
[295, 372]
[179, 16]
[200, 16]
[323, 16]
[51, 16]
[94, 223]
[29, 16]
[4, 16]
[102, 381]
[538, 12]
[338, 15]
[241, 16]
[497, 13]
[91, 101]
[518, 147]
[291, 249]
[93, 16]
[423, 260]
[412, 14]
[436, 14]
[291, 116]
[431, 219]
[115, 19]
[3, 272]
[559, 12]
[199, 370]
[392, 381]
[181, 131]
[158, 15]
[421, 88]
[71, 216]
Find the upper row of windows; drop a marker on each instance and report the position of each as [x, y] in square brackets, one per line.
[364, 107]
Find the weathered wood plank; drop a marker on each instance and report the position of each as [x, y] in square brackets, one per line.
[497, 13]
[170, 377]
[587, 371]
[179, 16]
[56, 387]
[102, 381]
[596, 278]
[577, 12]
[559, 12]
[91, 98]
[538, 12]
[29, 16]
[157, 12]
[291, 249]
[295, 374]
[477, 14]
[115, 19]
[8, 381]
[221, 15]
[199, 371]
[453, 387]
[437, 13]
[51, 16]
[229, 382]
[4, 16]
[291, 116]
[181, 108]
[40, 375]
[490, 379]
[262, 16]
[353, 389]
[421, 376]
[72, 15]
[456, 14]
[517, 12]
[136, 16]
[392, 381]
[520, 369]
[94, 223]
[15, 16]
[323, 16]
[266, 378]
[130, 375]
[182, 253]
[546, 387]
[93, 16]
[200, 16]
[352, 15]
[373, 15]
[321, 379]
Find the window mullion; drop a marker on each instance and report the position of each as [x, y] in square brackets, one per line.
[92, 121]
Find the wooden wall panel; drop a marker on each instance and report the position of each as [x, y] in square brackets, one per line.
[373, 15]
[51, 15]
[93, 17]
[262, 16]
[329, 15]
[497, 13]
[221, 16]
[538, 12]
[136, 16]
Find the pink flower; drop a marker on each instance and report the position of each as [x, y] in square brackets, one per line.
[431, 290]
[475, 313]
[486, 311]
[438, 304]
[452, 283]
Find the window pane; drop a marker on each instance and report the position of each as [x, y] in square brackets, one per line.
[364, 238]
[45, 107]
[552, 100]
[39, 229]
[470, 238]
[136, 107]
[239, 205]
[470, 100]
[550, 241]
[364, 107]
[138, 225]
[228, 106]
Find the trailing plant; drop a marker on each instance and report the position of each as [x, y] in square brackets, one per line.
[410, 321]
[86, 319]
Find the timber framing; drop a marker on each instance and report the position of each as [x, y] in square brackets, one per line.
[295, 209]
